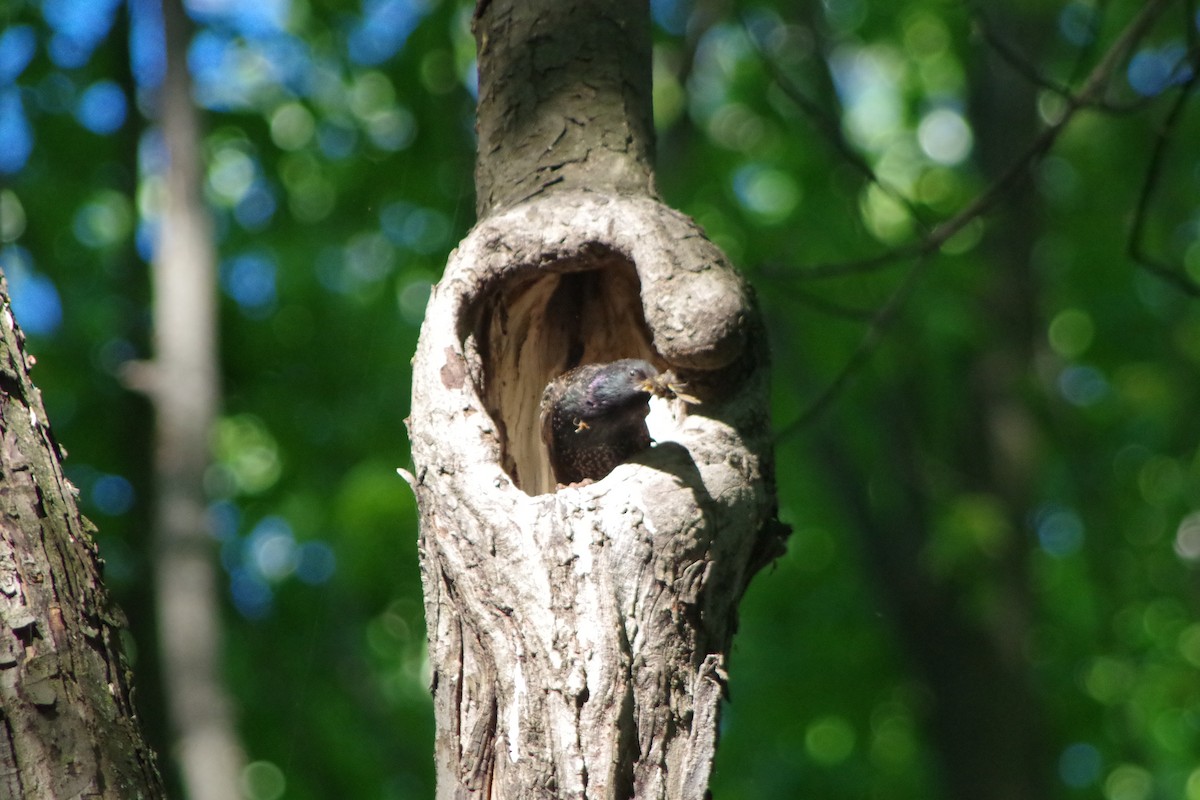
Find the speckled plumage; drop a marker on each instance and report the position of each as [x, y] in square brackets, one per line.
[594, 416]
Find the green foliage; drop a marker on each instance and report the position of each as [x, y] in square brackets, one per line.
[1019, 448]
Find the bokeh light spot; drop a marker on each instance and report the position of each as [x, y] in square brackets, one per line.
[17, 47]
[867, 80]
[829, 740]
[1060, 532]
[250, 280]
[1187, 537]
[256, 208]
[271, 549]
[1082, 385]
[311, 196]
[1079, 765]
[16, 138]
[422, 230]
[250, 594]
[34, 296]
[392, 129]
[1189, 644]
[105, 220]
[412, 298]
[736, 127]
[12, 216]
[336, 141]
[369, 258]
[231, 173]
[1070, 333]
[292, 126]
[1152, 70]
[1160, 480]
[262, 780]
[78, 29]
[384, 28]
[102, 107]
[1108, 679]
[317, 563]
[1128, 782]
[768, 193]
[1077, 22]
[886, 218]
[370, 94]
[926, 37]
[247, 452]
[112, 495]
[945, 136]
[671, 15]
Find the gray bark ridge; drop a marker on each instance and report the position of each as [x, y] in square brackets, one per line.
[578, 637]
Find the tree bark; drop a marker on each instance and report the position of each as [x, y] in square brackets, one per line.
[67, 723]
[579, 636]
[564, 99]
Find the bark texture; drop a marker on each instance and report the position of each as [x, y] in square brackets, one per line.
[578, 636]
[564, 99]
[67, 724]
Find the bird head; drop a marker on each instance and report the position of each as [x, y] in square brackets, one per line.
[619, 385]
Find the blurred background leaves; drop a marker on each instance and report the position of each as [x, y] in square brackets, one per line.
[997, 509]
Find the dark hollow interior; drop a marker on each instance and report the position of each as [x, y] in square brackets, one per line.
[542, 321]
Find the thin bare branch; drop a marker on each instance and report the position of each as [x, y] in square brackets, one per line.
[1093, 88]
[1023, 67]
[825, 306]
[859, 266]
[1089, 95]
[1017, 61]
[1171, 273]
[862, 354]
[829, 128]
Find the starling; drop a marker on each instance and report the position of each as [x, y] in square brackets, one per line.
[594, 416]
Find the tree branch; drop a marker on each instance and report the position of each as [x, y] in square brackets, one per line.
[1173, 274]
[1092, 89]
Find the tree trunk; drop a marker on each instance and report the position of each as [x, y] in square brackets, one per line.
[184, 387]
[67, 725]
[578, 636]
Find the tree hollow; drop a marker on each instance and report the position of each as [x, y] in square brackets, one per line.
[584, 308]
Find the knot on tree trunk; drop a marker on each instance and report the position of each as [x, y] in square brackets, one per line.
[578, 636]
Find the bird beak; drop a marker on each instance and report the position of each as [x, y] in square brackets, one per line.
[665, 385]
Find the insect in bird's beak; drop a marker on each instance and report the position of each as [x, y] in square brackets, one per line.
[666, 385]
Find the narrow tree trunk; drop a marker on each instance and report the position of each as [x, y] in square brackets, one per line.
[564, 100]
[184, 389]
[579, 637]
[67, 724]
